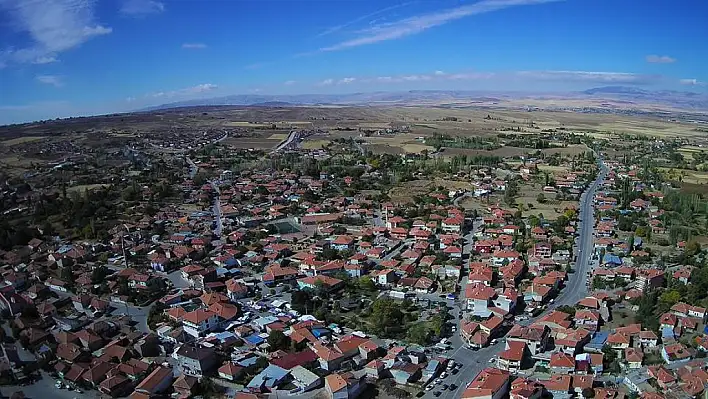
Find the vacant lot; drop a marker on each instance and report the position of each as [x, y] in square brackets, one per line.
[245, 124]
[569, 150]
[502, 152]
[528, 196]
[278, 136]
[314, 144]
[384, 149]
[396, 144]
[685, 176]
[85, 187]
[406, 191]
[252, 142]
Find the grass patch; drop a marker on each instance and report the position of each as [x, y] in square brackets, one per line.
[85, 187]
[314, 144]
[22, 140]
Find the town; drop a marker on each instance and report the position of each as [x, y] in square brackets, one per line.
[336, 259]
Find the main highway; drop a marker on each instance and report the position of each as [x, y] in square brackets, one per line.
[575, 289]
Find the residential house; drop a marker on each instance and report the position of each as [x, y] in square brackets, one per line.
[195, 360]
[490, 383]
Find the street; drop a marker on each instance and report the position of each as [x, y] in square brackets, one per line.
[44, 388]
[217, 210]
[575, 289]
[294, 135]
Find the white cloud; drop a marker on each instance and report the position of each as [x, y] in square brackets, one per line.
[289, 82]
[362, 18]
[692, 82]
[194, 46]
[45, 60]
[140, 8]
[54, 26]
[591, 77]
[53, 80]
[414, 25]
[660, 59]
[188, 91]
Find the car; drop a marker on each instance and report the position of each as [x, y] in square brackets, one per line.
[443, 375]
[420, 394]
[453, 387]
[59, 385]
[455, 371]
[491, 360]
[445, 387]
[429, 387]
[437, 393]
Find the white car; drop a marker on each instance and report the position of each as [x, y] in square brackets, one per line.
[492, 360]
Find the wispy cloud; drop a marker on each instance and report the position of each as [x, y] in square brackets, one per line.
[289, 82]
[414, 25]
[141, 8]
[54, 26]
[591, 77]
[363, 18]
[52, 80]
[588, 77]
[45, 60]
[660, 59]
[410, 78]
[692, 82]
[188, 91]
[194, 46]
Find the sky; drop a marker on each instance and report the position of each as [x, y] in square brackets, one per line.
[62, 58]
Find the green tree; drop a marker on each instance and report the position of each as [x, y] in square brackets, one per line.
[385, 314]
[418, 333]
[367, 284]
[99, 274]
[277, 340]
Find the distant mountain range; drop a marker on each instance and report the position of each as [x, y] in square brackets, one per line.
[619, 96]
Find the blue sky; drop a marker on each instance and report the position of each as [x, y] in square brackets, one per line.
[75, 57]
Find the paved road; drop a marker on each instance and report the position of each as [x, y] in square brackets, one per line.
[217, 210]
[474, 361]
[576, 288]
[285, 143]
[193, 168]
[44, 388]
